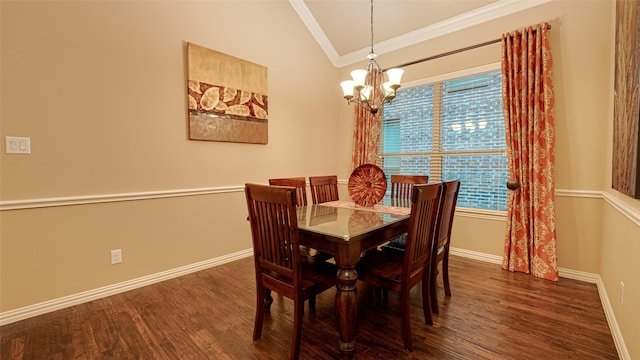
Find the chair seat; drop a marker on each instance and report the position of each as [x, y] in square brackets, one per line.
[317, 276]
[314, 255]
[381, 268]
[396, 245]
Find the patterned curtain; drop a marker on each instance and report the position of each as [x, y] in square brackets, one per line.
[366, 132]
[527, 95]
[366, 137]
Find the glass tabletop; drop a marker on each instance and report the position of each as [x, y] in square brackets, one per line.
[342, 222]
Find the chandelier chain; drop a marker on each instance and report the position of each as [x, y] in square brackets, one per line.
[372, 26]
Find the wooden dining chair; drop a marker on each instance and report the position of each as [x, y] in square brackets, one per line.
[440, 253]
[401, 190]
[323, 188]
[402, 185]
[401, 272]
[278, 264]
[300, 183]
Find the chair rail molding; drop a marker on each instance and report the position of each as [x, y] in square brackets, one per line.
[619, 205]
[622, 207]
[105, 198]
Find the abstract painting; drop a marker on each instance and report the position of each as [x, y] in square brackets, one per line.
[626, 110]
[227, 97]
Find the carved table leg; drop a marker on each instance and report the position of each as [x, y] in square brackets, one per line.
[347, 310]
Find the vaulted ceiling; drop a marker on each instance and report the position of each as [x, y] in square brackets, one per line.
[343, 27]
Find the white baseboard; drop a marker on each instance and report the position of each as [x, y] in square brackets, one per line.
[86, 296]
[621, 347]
[623, 352]
[493, 259]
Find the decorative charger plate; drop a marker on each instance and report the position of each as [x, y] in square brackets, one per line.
[367, 185]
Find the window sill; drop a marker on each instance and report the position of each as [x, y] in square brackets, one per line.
[496, 215]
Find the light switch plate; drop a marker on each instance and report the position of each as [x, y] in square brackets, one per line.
[17, 145]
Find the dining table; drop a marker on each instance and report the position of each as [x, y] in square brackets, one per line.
[346, 230]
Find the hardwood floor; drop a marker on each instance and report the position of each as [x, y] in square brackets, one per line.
[492, 314]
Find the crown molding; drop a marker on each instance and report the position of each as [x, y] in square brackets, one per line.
[316, 31]
[481, 15]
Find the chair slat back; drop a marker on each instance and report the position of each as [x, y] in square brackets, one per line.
[323, 188]
[274, 229]
[402, 185]
[425, 209]
[299, 183]
[449, 199]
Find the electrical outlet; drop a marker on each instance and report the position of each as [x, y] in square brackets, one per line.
[116, 256]
[17, 145]
[621, 292]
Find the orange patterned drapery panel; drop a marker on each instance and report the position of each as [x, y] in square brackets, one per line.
[528, 100]
[366, 134]
[366, 137]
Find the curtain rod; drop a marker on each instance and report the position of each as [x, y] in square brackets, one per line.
[452, 52]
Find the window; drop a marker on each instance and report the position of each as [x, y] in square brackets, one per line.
[450, 129]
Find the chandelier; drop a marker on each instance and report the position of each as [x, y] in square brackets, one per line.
[367, 87]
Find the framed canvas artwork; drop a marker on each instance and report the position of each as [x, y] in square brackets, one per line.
[227, 97]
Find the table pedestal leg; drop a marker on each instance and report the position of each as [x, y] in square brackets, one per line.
[347, 310]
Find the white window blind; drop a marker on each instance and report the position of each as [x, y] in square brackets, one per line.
[452, 129]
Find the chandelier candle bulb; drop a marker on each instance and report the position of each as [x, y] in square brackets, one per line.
[347, 89]
[359, 77]
[394, 76]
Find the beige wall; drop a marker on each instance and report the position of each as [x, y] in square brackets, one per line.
[100, 89]
[477, 234]
[578, 224]
[65, 250]
[620, 246]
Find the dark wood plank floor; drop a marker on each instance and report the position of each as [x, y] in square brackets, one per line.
[493, 314]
